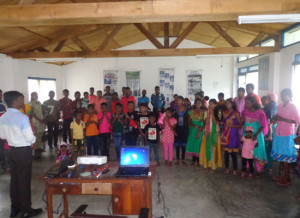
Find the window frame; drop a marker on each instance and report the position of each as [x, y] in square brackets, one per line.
[287, 30]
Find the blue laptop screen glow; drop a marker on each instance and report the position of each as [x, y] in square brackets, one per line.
[135, 156]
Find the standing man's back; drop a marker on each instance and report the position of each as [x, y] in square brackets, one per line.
[16, 129]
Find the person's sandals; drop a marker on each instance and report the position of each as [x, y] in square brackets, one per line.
[226, 171]
[235, 173]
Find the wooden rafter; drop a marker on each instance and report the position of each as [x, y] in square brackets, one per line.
[41, 49]
[224, 34]
[59, 46]
[140, 11]
[147, 52]
[110, 37]
[176, 28]
[155, 28]
[81, 44]
[257, 39]
[26, 2]
[151, 38]
[184, 34]
[166, 35]
[35, 33]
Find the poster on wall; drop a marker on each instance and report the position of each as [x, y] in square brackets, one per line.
[194, 82]
[263, 73]
[110, 79]
[133, 82]
[167, 84]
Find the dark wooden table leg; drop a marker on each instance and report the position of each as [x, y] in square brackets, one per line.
[49, 204]
[148, 196]
[66, 206]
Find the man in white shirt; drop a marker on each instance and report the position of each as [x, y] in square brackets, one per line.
[15, 128]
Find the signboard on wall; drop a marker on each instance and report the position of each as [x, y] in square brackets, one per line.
[263, 73]
[110, 78]
[167, 83]
[133, 82]
[194, 82]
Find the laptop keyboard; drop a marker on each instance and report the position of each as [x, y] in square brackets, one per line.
[134, 171]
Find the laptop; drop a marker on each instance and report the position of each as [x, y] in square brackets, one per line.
[134, 161]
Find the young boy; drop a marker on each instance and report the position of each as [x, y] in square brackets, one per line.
[77, 135]
[152, 135]
[118, 120]
[143, 120]
[85, 100]
[104, 118]
[91, 131]
[131, 130]
[114, 101]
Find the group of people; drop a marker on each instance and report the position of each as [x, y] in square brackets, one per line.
[247, 124]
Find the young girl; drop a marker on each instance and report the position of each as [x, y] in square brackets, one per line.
[230, 138]
[247, 152]
[197, 118]
[210, 153]
[283, 145]
[182, 129]
[255, 117]
[168, 133]
[63, 152]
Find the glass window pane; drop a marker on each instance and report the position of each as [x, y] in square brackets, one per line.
[270, 42]
[291, 36]
[42, 87]
[295, 86]
[253, 78]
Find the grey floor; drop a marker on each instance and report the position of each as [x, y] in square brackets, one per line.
[188, 192]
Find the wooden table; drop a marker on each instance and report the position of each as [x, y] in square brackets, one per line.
[128, 194]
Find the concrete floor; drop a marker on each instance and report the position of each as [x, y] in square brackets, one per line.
[189, 192]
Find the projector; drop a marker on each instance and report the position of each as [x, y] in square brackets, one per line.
[92, 160]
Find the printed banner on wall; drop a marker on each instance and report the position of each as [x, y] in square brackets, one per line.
[133, 82]
[263, 73]
[110, 79]
[194, 82]
[167, 83]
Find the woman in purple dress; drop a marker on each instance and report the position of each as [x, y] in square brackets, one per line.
[230, 137]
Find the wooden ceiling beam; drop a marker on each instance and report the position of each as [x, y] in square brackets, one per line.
[166, 35]
[81, 44]
[224, 34]
[59, 46]
[148, 35]
[26, 2]
[41, 49]
[184, 34]
[110, 37]
[147, 52]
[140, 11]
[257, 39]
[176, 28]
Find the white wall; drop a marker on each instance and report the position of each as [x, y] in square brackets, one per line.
[89, 72]
[280, 68]
[14, 74]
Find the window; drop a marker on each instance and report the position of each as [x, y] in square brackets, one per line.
[295, 81]
[291, 36]
[246, 57]
[42, 86]
[248, 75]
[269, 42]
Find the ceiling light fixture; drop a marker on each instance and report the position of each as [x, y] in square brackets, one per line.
[58, 59]
[272, 18]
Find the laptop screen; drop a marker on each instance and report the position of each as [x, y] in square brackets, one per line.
[135, 156]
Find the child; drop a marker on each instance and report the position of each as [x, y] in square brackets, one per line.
[168, 133]
[230, 137]
[114, 101]
[247, 152]
[104, 118]
[131, 130]
[210, 153]
[187, 103]
[85, 100]
[197, 118]
[91, 131]
[63, 152]
[143, 120]
[77, 135]
[118, 120]
[152, 134]
[182, 129]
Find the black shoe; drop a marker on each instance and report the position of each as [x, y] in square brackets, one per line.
[31, 213]
[14, 212]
